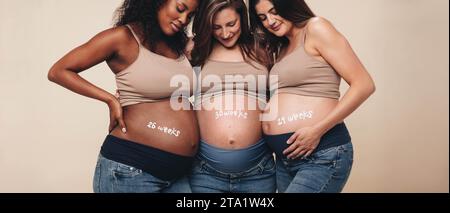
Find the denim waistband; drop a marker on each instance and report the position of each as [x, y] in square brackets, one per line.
[253, 170]
[336, 136]
[233, 161]
[161, 164]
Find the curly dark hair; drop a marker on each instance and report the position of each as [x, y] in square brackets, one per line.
[145, 14]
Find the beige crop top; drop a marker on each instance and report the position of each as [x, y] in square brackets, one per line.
[148, 79]
[301, 74]
[219, 77]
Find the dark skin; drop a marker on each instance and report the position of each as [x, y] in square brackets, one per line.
[119, 49]
[115, 46]
[110, 46]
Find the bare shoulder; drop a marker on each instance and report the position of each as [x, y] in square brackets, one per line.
[116, 36]
[321, 29]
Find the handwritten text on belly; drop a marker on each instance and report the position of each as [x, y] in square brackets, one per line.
[166, 130]
[295, 117]
[237, 114]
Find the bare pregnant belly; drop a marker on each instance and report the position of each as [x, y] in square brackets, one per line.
[289, 112]
[159, 126]
[232, 128]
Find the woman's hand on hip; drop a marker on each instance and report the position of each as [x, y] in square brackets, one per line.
[303, 142]
[116, 115]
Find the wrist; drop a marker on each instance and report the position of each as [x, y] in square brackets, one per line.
[320, 128]
[110, 100]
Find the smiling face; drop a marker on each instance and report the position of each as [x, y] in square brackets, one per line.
[175, 15]
[273, 22]
[227, 27]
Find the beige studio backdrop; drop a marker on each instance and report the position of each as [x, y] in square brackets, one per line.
[50, 137]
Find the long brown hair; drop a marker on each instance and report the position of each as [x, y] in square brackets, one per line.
[295, 11]
[203, 30]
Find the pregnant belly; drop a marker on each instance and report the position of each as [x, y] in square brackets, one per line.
[230, 127]
[286, 113]
[159, 126]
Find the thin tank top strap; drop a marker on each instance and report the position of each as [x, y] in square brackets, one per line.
[134, 34]
[300, 40]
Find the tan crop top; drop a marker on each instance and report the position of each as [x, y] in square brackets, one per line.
[301, 74]
[148, 79]
[219, 77]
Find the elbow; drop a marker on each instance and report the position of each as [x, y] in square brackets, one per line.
[370, 88]
[53, 74]
[365, 88]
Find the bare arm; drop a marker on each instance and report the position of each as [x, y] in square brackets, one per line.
[336, 50]
[100, 48]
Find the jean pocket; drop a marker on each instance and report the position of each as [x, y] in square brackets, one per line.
[327, 157]
[125, 171]
[268, 166]
[198, 167]
[345, 153]
[347, 148]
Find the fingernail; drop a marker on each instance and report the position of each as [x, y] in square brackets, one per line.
[288, 142]
[124, 130]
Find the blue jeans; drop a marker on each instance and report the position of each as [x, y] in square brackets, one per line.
[326, 171]
[259, 179]
[114, 177]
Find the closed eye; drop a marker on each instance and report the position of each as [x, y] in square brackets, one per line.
[273, 11]
[262, 17]
[231, 24]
